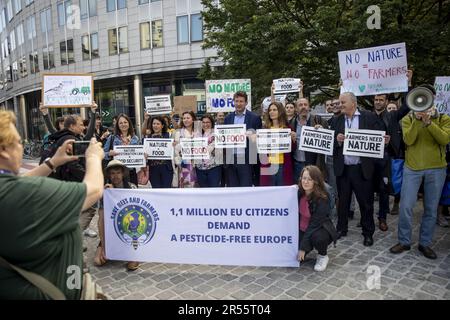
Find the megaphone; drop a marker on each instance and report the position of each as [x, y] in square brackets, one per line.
[420, 99]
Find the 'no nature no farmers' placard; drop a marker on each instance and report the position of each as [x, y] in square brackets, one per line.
[364, 143]
[374, 70]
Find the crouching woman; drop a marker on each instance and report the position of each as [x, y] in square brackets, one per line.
[316, 229]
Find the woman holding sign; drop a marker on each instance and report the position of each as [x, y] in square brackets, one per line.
[316, 229]
[209, 173]
[123, 135]
[187, 177]
[161, 171]
[275, 118]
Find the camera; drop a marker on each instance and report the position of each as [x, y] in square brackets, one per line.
[79, 148]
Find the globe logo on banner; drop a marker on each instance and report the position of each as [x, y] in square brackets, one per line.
[134, 225]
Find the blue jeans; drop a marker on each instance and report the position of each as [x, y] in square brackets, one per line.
[209, 178]
[298, 167]
[433, 182]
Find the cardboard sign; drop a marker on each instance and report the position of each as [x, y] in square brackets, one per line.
[374, 70]
[184, 104]
[286, 85]
[364, 143]
[442, 102]
[194, 148]
[219, 94]
[64, 90]
[316, 140]
[132, 156]
[230, 136]
[158, 105]
[158, 149]
[273, 140]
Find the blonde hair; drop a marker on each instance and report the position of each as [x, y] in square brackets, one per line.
[7, 136]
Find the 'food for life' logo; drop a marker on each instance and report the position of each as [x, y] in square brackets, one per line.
[134, 225]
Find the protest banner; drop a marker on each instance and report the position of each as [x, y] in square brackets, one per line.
[158, 149]
[194, 148]
[374, 70]
[219, 94]
[364, 143]
[67, 90]
[230, 136]
[286, 85]
[184, 104]
[246, 227]
[316, 140]
[132, 156]
[442, 102]
[273, 140]
[158, 104]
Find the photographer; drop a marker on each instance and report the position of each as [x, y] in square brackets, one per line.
[39, 229]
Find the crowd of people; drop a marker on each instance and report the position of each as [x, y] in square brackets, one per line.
[45, 217]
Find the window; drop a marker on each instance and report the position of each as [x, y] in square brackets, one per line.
[17, 6]
[34, 62]
[196, 27]
[157, 33]
[89, 49]
[31, 27]
[145, 35]
[66, 48]
[15, 68]
[19, 31]
[48, 57]
[122, 41]
[88, 8]
[64, 11]
[143, 1]
[28, 2]
[183, 29]
[112, 5]
[10, 10]
[46, 20]
[12, 40]
[23, 67]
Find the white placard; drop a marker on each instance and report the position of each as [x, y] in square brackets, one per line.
[242, 226]
[132, 156]
[194, 148]
[273, 141]
[286, 85]
[219, 94]
[364, 143]
[158, 104]
[317, 140]
[158, 149]
[230, 136]
[67, 90]
[442, 102]
[374, 70]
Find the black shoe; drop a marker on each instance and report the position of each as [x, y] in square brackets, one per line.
[399, 248]
[351, 214]
[368, 241]
[427, 252]
[341, 234]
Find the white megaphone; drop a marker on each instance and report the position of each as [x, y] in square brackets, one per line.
[420, 99]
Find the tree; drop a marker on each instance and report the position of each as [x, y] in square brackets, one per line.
[267, 39]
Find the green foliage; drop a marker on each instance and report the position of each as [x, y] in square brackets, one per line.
[267, 39]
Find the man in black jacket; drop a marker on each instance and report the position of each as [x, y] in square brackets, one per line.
[354, 174]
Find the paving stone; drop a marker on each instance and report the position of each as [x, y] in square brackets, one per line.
[327, 289]
[218, 293]
[227, 277]
[295, 293]
[424, 296]
[273, 291]
[165, 295]
[369, 295]
[336, 282]
[254, 288]
[241, 295]
[190, 295]
[433, 289]
[265, 282]
[316, 295]
[348, 292]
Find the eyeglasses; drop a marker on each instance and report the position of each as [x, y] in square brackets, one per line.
[307, 179]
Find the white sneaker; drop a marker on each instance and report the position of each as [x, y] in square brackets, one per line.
[90, 233]
[321, 263]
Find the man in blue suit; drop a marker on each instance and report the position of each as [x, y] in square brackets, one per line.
[239, 161]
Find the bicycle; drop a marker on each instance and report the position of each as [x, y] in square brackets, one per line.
[32, 149]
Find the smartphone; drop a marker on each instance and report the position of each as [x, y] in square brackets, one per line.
[79, 148]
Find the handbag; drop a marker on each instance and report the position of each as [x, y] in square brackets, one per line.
[397, 174]
[143, 175]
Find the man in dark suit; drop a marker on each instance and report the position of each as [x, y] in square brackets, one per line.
[239, 161]
[354, 174]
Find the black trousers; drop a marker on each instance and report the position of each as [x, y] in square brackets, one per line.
[320, 240]
[352, 180]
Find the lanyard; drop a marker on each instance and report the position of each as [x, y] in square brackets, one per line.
[349, 123]
[5, 172]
